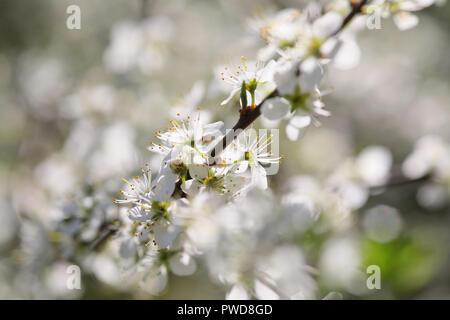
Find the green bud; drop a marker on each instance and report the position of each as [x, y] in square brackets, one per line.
[244, 94]
[251, 87]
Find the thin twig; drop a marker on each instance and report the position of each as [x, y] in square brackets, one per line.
[245, 119]
[401, 180]
[356, 8]
[106, 233]
[145, 9]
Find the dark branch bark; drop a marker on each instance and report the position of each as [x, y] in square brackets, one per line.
[356, 8]
[247, 117]
[105, 234]
[398, 180]
[145, 9]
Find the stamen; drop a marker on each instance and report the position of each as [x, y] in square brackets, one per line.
[243, 63]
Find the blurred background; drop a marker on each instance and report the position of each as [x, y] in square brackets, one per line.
[79, 107]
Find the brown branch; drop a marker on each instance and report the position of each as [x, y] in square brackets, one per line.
[356, 8]
[398, 180]
[145, 9]
[248, 116]
[106, 233]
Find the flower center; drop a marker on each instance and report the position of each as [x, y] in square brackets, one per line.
[160, 209]
[298, 100]
[248, 157]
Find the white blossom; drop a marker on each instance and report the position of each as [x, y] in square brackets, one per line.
[257, 76]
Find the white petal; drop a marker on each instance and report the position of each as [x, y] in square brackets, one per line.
[127, 248]
[259, 178]
[333, 296]
[182, 264]
[405, 20]
[239, 167]
[174, 154]
[268, 71]
[213, 128]
[138, 214]
[327, 24]
[266, 53]
[330, 47]
[191, 187]
[292, 132]
[266, 123]
[165, 233]
[204, 233]
[232, 94]
[355, 195]
[275, 108]
[348, 55]
[236, 183]
[310, 74]
[164, 184]
[414, 5]
[296, 127]
[263, 292]
[155, 282]
[237, 292]
[374, 165]
[300, 121]
[198, 171]
[298, 296]
[285, 77]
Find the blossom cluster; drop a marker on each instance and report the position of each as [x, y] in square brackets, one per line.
[299, 47]
[215, 204]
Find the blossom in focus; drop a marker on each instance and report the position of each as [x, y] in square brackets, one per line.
[257, 78]
[256, 155]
